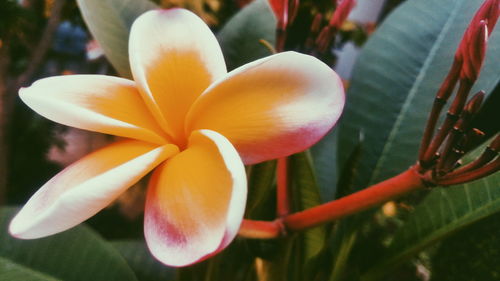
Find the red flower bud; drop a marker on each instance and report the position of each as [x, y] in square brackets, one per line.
[341, 13]
[280, 9]
[472, 48]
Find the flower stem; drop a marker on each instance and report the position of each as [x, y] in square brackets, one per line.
[374, 195]
[451, 118]
[442, 97]
[356, 202]
[282, 194]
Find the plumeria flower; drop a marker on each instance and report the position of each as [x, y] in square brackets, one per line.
[187, 119]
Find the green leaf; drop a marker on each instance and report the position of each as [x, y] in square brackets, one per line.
[344, 237]
[350, 169]
[239, 38]
[109, 21]
[261, 180]
[287, 263]
[306, 194]
[471, 254]
[443, 212]
[76, 254]
[15, 272]
[396, 78]
[234, 263]
[345, 231]
[324, 155]
[393, 87]
[145, 266]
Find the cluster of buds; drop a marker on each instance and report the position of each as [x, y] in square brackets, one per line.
[323, 30]
[285, 12]
[440, 154]
[327, 34]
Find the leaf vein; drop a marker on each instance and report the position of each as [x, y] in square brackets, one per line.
[411, 94]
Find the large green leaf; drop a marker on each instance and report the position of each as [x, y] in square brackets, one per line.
[110, 22]
[472, 254]
[239, 38]
[393, 87]
[76, 254]
[145, 266]
[15, 272]
[443, 212]
[396, 78]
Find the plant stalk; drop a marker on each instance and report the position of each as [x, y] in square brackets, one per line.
[374, 195]
[282, 188]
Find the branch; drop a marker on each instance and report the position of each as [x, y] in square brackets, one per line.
[4, 117]
[43, 45]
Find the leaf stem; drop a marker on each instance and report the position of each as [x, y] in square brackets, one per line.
[44, 44]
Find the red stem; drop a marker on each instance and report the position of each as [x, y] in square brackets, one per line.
[282, 194]
[281, 28]
[389, 189]
[356, 202]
